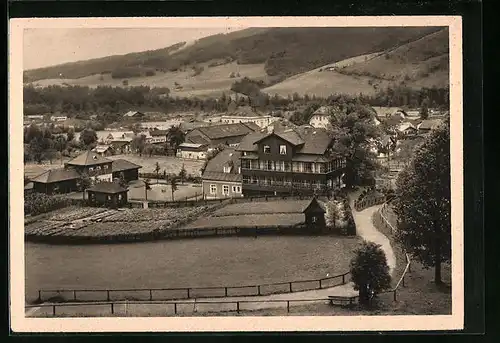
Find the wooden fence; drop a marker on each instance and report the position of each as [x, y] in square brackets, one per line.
[369, 201]
[123, 308]
[155, 294]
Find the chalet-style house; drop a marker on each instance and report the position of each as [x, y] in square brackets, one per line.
[108, 194]
[248, 115]
[98, 168]
[291, 161]
[428, 125]
[192, 151]
[406, 129]
[222, 176]
[225, 134]
[321, 117]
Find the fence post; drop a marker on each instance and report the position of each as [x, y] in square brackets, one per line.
[290, 287]
[288, 306]
[403, 281]
[54, 310]
[112, 308]
[107, 292]
[395, 295]
[188, 293]
[150, 295]
[74, 295]
[225, 291]
[175, 308]
[39, 295]
[258, 290]
[320, 286]
[343, 279]
[238, 307]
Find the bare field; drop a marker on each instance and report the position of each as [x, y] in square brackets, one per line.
[213, 81]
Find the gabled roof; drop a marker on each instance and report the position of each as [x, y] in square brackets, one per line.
[197, 140]
[121, 165]
[118, 144]
[56, 175]
[290, 136]
[107, 187]
[191, 145]
[314, 205]
[405, 126]
[314, 141]
[228, 130]
[214, 169]
[429, 124]
[88, 158]
[101, 148]
[323, 110]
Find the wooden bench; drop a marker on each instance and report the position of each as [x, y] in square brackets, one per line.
[340, 300]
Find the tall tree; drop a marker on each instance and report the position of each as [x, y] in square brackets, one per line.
[173, 186]
[422, 202]
[424, 109]
[353, 129]
[182, 174]
[175, 136]
[138, 144]
[88, 137]
[157, 170]
[84, 182]
[369, 271]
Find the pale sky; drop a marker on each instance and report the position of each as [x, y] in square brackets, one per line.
[46, 47]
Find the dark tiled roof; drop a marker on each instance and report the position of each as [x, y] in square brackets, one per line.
[107, 187]
[218, 176]
[158, 132]
[57, 175]
[197, 140]
[121, 165]
[215, 167]
[118, 144]
[227, 130]
[88, 158]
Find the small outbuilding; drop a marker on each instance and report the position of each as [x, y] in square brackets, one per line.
[108, 194]
[315, 216]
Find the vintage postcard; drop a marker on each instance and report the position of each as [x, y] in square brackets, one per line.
[236, 174]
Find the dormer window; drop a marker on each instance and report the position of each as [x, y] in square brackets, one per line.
[227, 169]
[282, 149]
[98, 168]
[267, 149]
[91, 169]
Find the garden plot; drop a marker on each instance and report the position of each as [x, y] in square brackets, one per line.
[153, 214]
[163, 192]
[264, 207]
[75, 213]
[248, 220]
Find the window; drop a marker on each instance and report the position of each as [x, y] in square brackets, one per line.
[282, 149]
[225, 190]
[213, 189]
[269, 165]
[227, 169]
[313, 219]
[287, 166]
[98, 168]
[236, 189]
[245, 164]
[246, 179]
[267, 149]
[91, 169]
[307, 167]
[106, 166]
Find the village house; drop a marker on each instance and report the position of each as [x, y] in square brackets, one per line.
[225, 134]
[192, 151]
[222, 176]
[321, 117]
[108, 194]
[248, 115]
[58, 118]
[120, 147]
[292, 161]
[153, 139]
[406, 129]
[115, 136]
[65, 180]
[134, 114]
[103, 150]
[428, 125]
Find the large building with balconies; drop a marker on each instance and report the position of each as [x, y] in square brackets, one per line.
[293, 161]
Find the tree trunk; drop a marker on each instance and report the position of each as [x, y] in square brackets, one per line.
[172, 196]
[437, 252]
[364, 298]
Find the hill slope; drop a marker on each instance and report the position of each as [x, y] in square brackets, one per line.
[420, 63]
[284, 51]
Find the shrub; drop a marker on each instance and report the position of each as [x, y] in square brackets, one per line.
[37, 203]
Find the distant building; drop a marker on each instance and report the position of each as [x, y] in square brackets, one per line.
[103, 150]
[226, 134]
[34, 117]
[109, 194]
[153, 139]
[58, 118]
[120, 147]
[192, 151]
[321, 117]
[123, 168]
[248, 115]
[93, 164]
[406, 129]
[222, 176]
[428, 125]
[134, 114]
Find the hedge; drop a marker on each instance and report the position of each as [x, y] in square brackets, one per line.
[37, 203]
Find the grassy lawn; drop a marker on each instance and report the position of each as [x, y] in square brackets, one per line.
[172, 165]
[163, 192]
[229, 261]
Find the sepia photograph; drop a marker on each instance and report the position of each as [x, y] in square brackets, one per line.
[236, 174]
